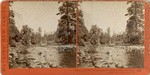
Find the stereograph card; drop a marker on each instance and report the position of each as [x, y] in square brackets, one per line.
[75, 37]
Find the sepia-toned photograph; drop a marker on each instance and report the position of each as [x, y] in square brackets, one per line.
[110, 34]
[42, 34]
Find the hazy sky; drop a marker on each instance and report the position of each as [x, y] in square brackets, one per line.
[43, 14]
[36, 14]
[105, 14]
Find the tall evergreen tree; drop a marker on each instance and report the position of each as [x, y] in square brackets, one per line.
[135, 23]
[95, 34]
[66, 31]
[13, 30]
[108, 35]
[39, 35]
[83, 34]
[26, 34]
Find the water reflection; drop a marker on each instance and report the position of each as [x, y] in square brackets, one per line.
[135, 59]
[68, 58]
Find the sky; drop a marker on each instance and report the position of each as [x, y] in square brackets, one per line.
[106, 14]
[36, 14]
[42, 14]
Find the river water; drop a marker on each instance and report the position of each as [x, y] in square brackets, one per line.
[50, 57]
[115, 57]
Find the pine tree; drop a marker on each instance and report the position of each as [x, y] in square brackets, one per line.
[108, 35]
[95, 34]
[135, 23]
[13, 30]
[39, 35]
[83, 34]
[66, 31]
[26, 34]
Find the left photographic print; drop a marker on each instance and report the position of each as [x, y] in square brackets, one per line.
[42, 34]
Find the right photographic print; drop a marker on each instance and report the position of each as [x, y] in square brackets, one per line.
[110, 34]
